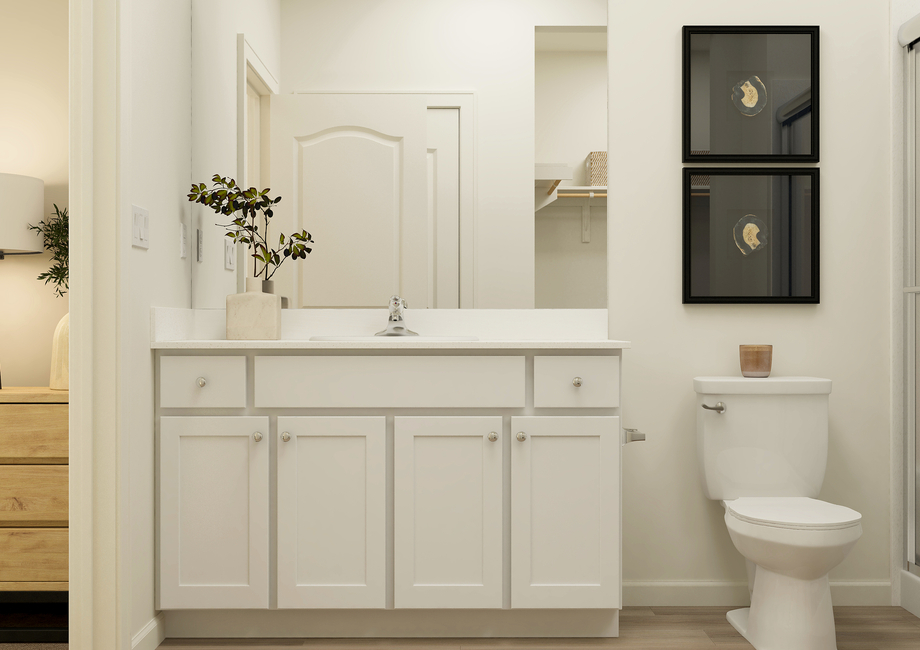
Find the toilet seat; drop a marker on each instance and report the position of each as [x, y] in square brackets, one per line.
[799, 513]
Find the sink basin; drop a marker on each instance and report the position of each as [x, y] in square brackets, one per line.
[395, 339]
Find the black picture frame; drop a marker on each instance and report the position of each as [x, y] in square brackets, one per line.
[794, 114]
[798, 272]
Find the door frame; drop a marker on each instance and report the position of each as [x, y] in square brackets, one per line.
[250, 71]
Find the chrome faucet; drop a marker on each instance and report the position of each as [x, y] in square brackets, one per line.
[396, 326]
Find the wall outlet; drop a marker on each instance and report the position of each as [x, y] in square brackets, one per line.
[229, 254]
[183, 241]
[140, 227]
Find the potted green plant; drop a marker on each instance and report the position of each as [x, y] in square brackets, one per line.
[255, 314]
[55, 233]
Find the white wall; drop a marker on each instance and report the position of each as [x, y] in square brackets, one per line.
[33, 142]
[485, 46]
[215, 25]
[158, 94]
[570, 115]
[671, 532]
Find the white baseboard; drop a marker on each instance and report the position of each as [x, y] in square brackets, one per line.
[729, 594]
[910, 592]
[151, 635]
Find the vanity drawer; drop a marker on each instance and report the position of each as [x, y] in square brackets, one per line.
[389, 382]
[554, 382]
[224, 381]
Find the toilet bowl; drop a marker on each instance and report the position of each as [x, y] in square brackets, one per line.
[793, 542]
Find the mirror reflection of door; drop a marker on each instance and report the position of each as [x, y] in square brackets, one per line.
[375, 178]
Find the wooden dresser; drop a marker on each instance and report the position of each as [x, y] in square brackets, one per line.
[33, 489]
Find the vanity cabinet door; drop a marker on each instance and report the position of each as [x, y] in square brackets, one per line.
[214, 512]
[332, 512]
[565, 512]
[448, 512]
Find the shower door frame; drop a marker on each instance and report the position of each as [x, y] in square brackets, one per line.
[910, 292]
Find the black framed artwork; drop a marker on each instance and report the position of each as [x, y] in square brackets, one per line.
[750, 94]
[750, 235]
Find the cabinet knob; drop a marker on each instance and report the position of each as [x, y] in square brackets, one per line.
[285, 437]
[202, 382]
[577, 382]
[257, 436]
[493, 437]
[521, 436]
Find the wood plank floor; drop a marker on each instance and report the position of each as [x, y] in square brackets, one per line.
[641, 628]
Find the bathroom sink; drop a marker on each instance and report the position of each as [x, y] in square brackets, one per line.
[395, 339]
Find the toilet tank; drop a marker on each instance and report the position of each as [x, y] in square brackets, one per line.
[770, 441]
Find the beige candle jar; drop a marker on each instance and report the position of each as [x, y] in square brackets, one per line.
[756, 360]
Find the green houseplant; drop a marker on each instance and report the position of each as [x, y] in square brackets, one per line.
[55, 233]
[227, 198]
[253, 314]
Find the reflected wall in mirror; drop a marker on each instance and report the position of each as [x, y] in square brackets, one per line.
[750, 94]
[404, 142]
[750, 235]
[571, 210]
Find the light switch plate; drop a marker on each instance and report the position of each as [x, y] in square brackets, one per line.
[229, 254]
[140, 227]
[183, 240]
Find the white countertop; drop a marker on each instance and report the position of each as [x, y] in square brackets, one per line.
[496, 329]
[389, 344]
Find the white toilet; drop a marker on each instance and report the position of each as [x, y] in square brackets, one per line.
[762, 448]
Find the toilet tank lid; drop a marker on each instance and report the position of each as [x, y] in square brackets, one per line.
[765, 386]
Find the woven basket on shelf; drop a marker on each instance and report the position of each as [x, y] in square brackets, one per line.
[597, 169]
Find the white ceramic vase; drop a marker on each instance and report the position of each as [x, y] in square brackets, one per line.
[253, 315]
[60, 355]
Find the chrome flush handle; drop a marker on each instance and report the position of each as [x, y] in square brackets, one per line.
[718, 408]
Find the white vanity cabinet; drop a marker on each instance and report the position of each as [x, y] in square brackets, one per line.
[331, 512]
[479, 481]
[214, 511]
[565, 512]
[448, 512]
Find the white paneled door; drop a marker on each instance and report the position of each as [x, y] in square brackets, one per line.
[565, 512]
[331, 512]
[352, 169]
[448, 512]
[214, 512]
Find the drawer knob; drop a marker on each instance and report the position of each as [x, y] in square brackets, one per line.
[493, 437]
[577, 382]
[202, 382]
[521, 436]
[257, 436]
[285, 437]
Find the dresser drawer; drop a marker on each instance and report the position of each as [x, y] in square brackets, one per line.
[223, 379]
[33, 433]
[33, 495]
[555, 379]
[389, 382]
[33, 554]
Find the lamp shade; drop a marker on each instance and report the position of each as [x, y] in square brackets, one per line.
[22, 202]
